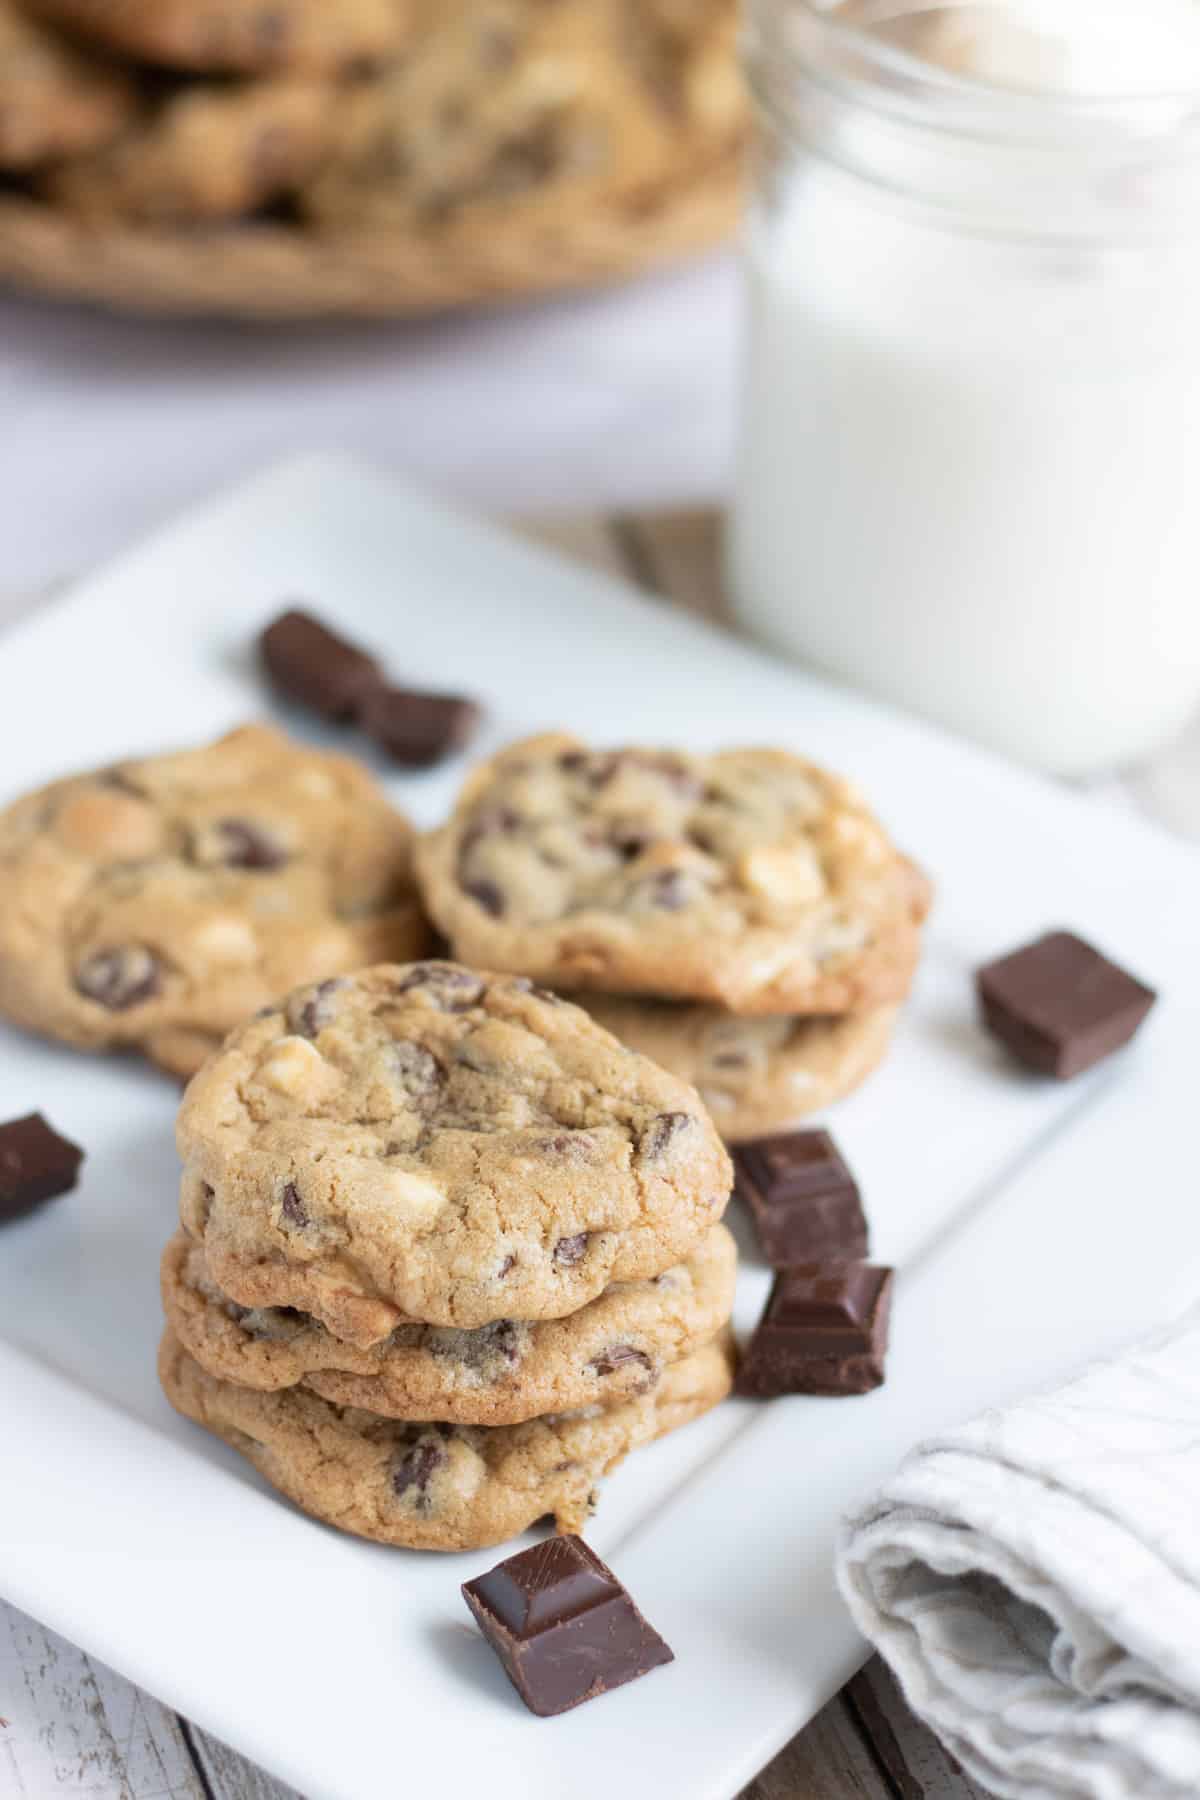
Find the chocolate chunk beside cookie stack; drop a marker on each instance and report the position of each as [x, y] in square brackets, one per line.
[449, 1251]
[742, 918]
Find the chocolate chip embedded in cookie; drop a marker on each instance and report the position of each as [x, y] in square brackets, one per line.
[430, 1143]
[615, 1347]
[205, 153]
[157, 903]
[54, 100]
[754, 1074]
[750, 877]
[238, 35]
[438, 1487]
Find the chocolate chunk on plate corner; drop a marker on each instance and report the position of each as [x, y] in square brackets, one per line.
[562, 1625]
[804, 1201]
[1060, 1006]
[415, 728]
[309, 663]
[824, 1330]
[37, 1164]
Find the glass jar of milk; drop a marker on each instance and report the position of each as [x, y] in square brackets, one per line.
[970, 468]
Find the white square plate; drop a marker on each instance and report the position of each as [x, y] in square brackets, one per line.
[1033, 1224]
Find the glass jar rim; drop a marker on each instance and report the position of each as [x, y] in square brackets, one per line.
[840, 53]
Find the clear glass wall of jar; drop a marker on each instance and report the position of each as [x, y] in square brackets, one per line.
[969, 476]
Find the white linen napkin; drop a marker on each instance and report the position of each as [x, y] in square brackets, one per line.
[1033, 1578]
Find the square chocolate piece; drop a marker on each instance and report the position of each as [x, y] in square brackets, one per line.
[803, 1199]
[312, 665]
[824, 1331]
[1060, 1006]
[417, 729]
[562, 1625]
[36, 1165]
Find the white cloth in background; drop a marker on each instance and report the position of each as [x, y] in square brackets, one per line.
[622, 398]
[1034, 1581]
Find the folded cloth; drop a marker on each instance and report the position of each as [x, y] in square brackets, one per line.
[1034, 1581]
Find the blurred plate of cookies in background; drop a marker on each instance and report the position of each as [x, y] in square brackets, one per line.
[362, 157]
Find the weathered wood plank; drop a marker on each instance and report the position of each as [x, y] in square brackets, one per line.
[230, 1776]
[73, 1727]
[678, 555]
[917, 1765]
[827, 1761]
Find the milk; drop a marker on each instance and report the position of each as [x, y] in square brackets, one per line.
[970, 474]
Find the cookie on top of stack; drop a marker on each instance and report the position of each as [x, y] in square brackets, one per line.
[741, 917]
[449, 1251]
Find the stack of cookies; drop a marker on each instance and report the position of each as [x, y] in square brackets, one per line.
[449, 1251]
[742, 918]
[434, 125]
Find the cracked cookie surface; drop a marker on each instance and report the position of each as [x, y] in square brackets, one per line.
[431, 1143]
[156, 903]
[431, 1487]
[238, 35]
[615, 1347]
[754, 1074]
[751, 878]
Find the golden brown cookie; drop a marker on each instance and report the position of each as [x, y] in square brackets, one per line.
[755, 1074]
[749, 878]
[54, 100]
[431, 1143]
[511, 104]
[438, 1487]
[615, 1347]
[238, 36]
[158, 902]
[205, 153]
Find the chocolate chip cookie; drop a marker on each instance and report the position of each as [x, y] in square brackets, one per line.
[204, 153]
[615, 1347]
[438, 1487]
[434, 1144]
[158, 902]
[509, 105]
[54, 101]
[755, 1075]
[232, 36]
[751, 878]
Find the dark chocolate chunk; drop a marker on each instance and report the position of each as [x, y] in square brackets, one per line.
[564, 1628]
[309, 663]
[661, 1133]
[1060, 1006]
[570, 1250]
[823, 1331]
[487, 895]
[119, 978]
[803, 1199]
[415, 1470]
[244, 844]
[292, 1207]
[619, 1356]
[450, 988]
[36, 1165]
[417, 729]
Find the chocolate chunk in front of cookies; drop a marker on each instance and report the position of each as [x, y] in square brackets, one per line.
[562, 1625]
[417, 729]
[824, 1331]
[313, 665]
[802, 1197]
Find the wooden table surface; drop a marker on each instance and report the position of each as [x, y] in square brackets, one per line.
[71, 1727]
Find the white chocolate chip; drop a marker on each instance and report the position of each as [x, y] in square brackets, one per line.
[790, 877]
[296, 1067]
[226, 939]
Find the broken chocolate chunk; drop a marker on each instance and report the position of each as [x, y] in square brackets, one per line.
[36, 1165]
[823, 1331]
[1060, 1006]
[570, 1250]
[804, 1201]
[417, 729]
[563, 1627]
[313, 665]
